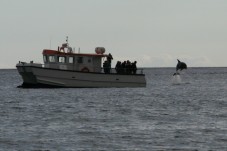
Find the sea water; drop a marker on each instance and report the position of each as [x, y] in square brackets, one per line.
[188, 116]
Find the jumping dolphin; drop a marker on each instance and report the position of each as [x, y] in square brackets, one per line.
[181, 65]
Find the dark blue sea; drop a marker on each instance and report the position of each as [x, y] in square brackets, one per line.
[172, 113]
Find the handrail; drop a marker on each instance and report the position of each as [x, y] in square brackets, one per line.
[121, 71]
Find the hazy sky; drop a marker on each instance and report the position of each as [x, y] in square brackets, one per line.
[153, 32]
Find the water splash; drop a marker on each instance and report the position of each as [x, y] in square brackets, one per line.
[176, 79]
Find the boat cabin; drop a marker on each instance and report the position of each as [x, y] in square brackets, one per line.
[59, 59]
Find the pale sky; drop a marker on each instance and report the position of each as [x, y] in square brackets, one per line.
[153, 32]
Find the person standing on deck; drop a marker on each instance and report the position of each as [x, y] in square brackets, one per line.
[109, 59]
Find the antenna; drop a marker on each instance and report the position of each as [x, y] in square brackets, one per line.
[67, 39]
[74, 49]
[50, 41]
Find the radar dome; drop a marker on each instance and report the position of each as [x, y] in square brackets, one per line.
[100, 50]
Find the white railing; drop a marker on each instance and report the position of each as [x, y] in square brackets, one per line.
[122, 71]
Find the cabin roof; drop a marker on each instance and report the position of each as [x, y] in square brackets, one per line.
[55, 52]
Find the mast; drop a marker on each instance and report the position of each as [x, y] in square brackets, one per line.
[67, 39]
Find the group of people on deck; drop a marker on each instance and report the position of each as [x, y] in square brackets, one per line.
[125, 67]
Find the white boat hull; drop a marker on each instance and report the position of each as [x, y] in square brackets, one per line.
[39, 76]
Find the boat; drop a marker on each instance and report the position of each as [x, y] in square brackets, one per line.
[67, 69]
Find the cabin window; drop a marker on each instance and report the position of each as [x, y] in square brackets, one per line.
[80, 60]
[51, 59]
[44, 59]
[71, 60]
[61, 59]
[89, 60]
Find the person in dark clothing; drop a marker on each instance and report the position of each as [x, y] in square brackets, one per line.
[118, 67]
[105, 67]
[108, 62]
[123, 68]
[128, 67]
[134, 67]
[109, 58]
